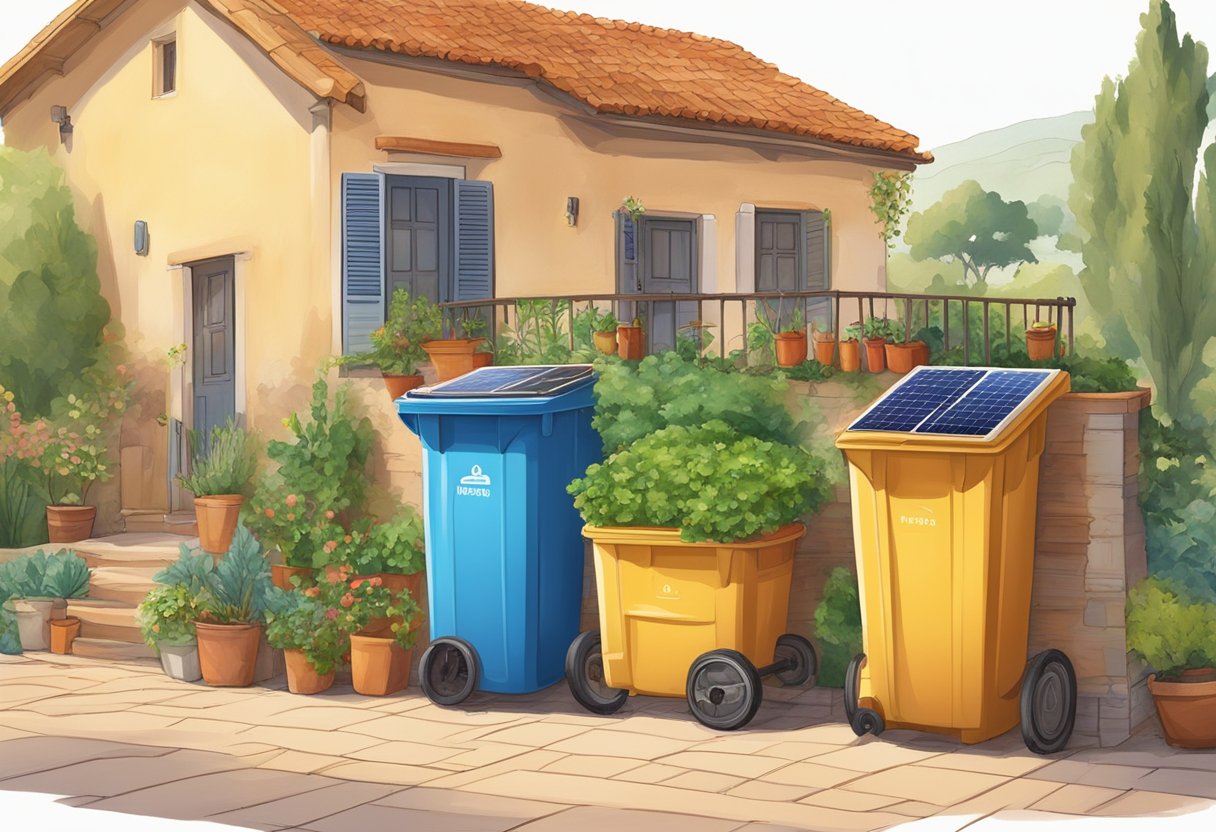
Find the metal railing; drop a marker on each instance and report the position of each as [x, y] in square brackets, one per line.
[913, 311]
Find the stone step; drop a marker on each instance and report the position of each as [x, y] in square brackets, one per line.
[145, 521]
[100, 619]
[114, 651]
[138, 549]
[126, 584]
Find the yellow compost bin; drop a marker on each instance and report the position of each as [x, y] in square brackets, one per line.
[944, 473]
[702, 620]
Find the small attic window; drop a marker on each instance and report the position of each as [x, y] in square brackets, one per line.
[165, 69]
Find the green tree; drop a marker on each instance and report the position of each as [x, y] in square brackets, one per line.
[51, 310]
[975, 228]
[1147, 233]
[1048, 213]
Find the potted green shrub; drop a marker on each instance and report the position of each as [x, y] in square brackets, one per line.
[850, 348]
[394, 551]
[603, 330]
[312, 625]
[877, 332]
[380, 658]
[901, 355]
[455, 356]
[825, 345]
[222, 465]
[397, 347]
[1041, 341]
[166, 620]
[1176, 636]
[37, 587]
[790, 339]
[232, 607]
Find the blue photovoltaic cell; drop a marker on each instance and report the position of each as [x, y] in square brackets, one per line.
[508, 381]
[922, 395]
[488, 380]
[987, 405]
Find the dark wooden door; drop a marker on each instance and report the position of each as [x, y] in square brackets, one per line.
[213, 356]
[780, 252]
[668, 265]
[419, 236]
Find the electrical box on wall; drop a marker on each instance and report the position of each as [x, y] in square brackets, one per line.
[141, 238]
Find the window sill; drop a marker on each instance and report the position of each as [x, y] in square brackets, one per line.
[164, 96]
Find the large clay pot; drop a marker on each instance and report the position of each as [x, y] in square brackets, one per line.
[378, 666]
[825, 349]
[876, 354]
[217, 516]
[398, 386]
[901, 358]
[1040, 342]
[302, 677]
[281, 575]
[395, 582]
[921, 355]
[63, 633]
[605, 342]
[631, 344]
[1187, 709]
[227, 653]
[69, 524]
[452, 357]
[850, 356]
[791, 348]
[33, 621]
[180, 661]
[482, 359]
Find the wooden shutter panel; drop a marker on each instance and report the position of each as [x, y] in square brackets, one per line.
[362, 259]
[626, 253]
[473, 209]
[817, 277]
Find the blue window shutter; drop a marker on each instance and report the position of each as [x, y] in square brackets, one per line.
[363, 306]
[626, 253]
[473, 252]
[818, 277]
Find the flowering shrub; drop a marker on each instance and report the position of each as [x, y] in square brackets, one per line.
[397, 545]
[167, 615]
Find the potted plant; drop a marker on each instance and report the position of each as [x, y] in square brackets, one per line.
[453, 357]
[394, 552]
[397, 346]
[791, 340]
[232, 606]
[877, 332]
[222, 465]
[1177, 637]
[603, 330]
[825, 345]
[1041, 341]
[36, 589]
[66, 576]
[380, 660]
[900, 355]
[166, 620]
[631, 341]
[850, 348]
[312, 625]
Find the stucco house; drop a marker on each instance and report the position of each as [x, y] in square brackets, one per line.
[260, 174]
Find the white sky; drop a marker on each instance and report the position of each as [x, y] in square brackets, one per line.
[942, 69]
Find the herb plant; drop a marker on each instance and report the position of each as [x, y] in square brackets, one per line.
[223, 462]
[541, 334]
[879, 328]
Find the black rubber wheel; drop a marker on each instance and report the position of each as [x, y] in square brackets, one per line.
[723, 690]
[1049, 702]
[852, 686]
[585, 675]
[450, 671]
[867, 721]
[806, 663]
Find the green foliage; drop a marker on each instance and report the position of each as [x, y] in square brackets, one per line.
[633, 207]
[633, 400]
[880, 328]
[167, 615]
[237, 590]
[711, 481]
[22, 577]
[597, 321]
[66, 576]
[1146, 227]
[890, 201]
[395, 546]
[22, 508]
[542, 334]
[838, 626]
[397, 346]
[315, 626]
[975, 228]
[52, 314]
[810, 370]
[191, 570]
[1048, 214]
[222, 463]
[10, 635]
[39, 575]
[1168, 629]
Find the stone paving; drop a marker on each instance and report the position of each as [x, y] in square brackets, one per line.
[124, 738]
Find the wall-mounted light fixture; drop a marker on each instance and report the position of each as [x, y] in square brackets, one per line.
[572, 211]
[60, 116]
[141, 238]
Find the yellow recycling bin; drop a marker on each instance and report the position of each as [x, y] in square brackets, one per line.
[700, 620]
[944, 471]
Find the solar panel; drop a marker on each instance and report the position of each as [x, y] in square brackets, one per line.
[504, 382]
[952, 401]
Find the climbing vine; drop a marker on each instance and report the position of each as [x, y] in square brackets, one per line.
[890, 201]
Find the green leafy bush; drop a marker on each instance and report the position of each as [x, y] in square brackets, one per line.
[397, 346]
[711, 481]
[396, 546]
[66, 576]
[838, 626]
[1169, 630]
[542, 334]
[810, 370]
[236, 591]
[167, 615]
[223, 462]
[22, 577]
[191, 570]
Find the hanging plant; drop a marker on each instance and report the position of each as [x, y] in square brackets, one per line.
[890, 201]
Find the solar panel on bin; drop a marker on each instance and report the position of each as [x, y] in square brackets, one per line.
[508, 381]
[987, 404]
[918, 398]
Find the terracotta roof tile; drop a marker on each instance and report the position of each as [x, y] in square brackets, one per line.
[610, 65]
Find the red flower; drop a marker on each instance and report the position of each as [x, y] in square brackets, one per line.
[331, 614]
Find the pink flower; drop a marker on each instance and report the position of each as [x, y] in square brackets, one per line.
[331, 614]
[75, 460]
[292, 500]
[329, 515]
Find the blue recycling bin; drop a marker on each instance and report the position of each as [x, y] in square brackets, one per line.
[503, 540]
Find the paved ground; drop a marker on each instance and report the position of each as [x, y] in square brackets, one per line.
[124, 738]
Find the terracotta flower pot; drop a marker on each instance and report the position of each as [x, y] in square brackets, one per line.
[850, 356]
[631, 345]
[1187, 709]
[482, 359]
[217, 516]
[69, 524]
[1040, 342]
[825, 349]
[901, 358]
[378, 666]
[398, 386]
[395, 582]
[876, 354]
[228, 653]
[302, 677]
[921, 356]
[63, 633]
[452, 357]
[791, 348]
[180, 661]
[605, 342]
[281, 575]
[33, 621]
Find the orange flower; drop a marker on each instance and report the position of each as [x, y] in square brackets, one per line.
[292, 500]
[329, 515]
[291, 516]
[347, 600]
[333, 576]
[329, 546]
[377, 581]
[347, 539]
[312, 591]
[356, 583]
[270, 512]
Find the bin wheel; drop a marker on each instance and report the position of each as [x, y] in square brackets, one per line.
[450, 671]
[723, 690]
[1049, 702]
[802, 652]
[867, 721]
[585, 675]
[852, 686]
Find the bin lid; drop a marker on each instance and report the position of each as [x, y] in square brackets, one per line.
[521, 389]
[979, 405]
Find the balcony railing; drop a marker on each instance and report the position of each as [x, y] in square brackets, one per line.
[970, 326]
